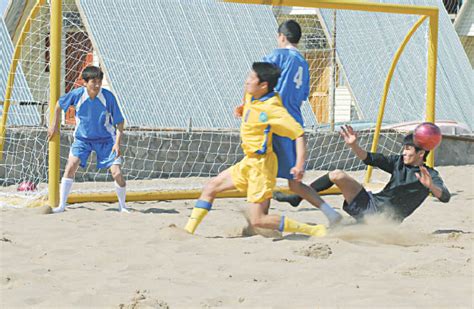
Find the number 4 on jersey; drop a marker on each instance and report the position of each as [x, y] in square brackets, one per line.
[298, 77]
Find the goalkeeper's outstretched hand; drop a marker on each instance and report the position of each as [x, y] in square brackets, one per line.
[349, 135]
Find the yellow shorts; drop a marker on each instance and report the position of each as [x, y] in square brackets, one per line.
[256, 175]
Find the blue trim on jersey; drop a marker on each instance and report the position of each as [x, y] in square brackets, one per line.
[263, 150]
[203, 204]
[247, 115]
[282, 224]
[265, 97]
[95, 118]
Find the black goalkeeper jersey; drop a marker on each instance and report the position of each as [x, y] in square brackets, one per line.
[404, 193]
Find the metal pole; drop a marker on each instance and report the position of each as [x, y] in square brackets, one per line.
[431, 82]
[386, 88]
[332, 95]
[55, 79]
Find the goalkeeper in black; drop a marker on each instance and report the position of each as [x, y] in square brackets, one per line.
[410, 184]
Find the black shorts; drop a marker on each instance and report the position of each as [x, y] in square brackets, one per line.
[363, 204]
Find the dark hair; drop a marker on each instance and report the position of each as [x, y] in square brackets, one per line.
[292, 30]
[267, 72]
[409, 141]
[92, 72]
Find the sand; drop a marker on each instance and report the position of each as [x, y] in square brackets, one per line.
[92, 256]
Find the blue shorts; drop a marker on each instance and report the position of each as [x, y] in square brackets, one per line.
[105, 157]
[285, 149]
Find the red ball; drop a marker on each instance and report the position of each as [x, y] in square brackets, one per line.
[427, 136]
[26, 186]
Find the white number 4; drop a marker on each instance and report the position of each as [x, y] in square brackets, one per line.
[298, 77]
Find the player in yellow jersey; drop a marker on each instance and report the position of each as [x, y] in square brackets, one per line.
[263, 116]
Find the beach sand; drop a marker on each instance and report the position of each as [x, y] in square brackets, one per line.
[92, 256]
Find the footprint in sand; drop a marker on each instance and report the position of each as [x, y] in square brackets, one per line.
[248, 231]
[212, 302]
[317, 251]
[7, 282]
[142, 300]
[42, 210]
[172, 232]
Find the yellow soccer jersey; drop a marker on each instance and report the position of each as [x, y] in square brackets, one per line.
[263, 117]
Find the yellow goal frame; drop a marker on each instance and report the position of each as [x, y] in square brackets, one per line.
[430, 12]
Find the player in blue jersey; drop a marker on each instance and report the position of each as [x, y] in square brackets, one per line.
[293, 87]
[99, 128]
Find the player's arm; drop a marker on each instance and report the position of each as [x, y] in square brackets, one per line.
[118, 139]
[283, 124]
[117, 121]
[350, 138]
[63, 104]
[386, 163]
[298, 170]
[54, 125]
[438, 192]
[239, 110]
[434, 184]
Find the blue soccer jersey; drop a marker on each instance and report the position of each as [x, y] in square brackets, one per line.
[95, 118]
[293, 85]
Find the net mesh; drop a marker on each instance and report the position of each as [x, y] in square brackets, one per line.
[188, 147]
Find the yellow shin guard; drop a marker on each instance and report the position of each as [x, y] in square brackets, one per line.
[293, 226]
[196, 217]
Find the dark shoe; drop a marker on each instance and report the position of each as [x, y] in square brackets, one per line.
[293, 199]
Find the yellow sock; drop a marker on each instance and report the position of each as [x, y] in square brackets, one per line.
[293, 226]
[196, 217]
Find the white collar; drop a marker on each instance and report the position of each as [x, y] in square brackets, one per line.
[86, 94]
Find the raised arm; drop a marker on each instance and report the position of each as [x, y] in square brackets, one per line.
[386, 163]
[350, 138]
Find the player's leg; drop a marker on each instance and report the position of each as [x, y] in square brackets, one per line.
[78, 155]
[357, 201]
[106, 158]
[120, 186]
[320, 184]
[220, 183]
[348, 186]
[261, 182]
[313, 197]
[260, 219]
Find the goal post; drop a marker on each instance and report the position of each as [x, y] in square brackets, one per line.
[386, 88]
[159, 154]
[430, 12]
[55, 79]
